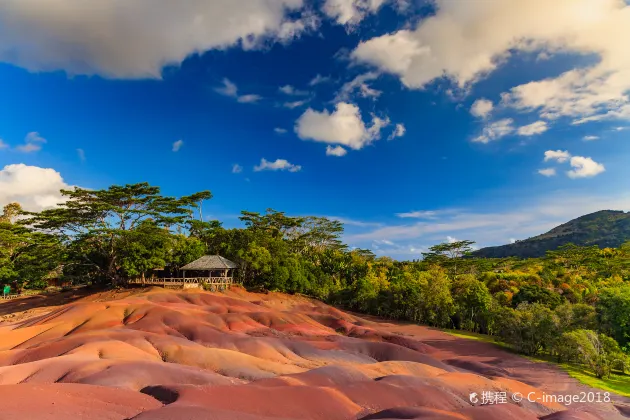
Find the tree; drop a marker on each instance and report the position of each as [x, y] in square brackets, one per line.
[613, 313]
[26, 257]
[101, 225]
[598, 351]
[532, 293]
[472, 301]
[436, 304]
[449, 254]
[530, 328]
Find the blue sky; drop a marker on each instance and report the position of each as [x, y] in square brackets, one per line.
[413, 122]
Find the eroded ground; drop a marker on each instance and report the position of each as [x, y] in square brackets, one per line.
[159, 354]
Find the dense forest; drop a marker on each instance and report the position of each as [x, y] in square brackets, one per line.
[572, 303]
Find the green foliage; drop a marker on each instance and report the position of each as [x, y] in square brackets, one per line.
[530, 328]
[597, 351]
[536, 305]
[532, 293]
[613, 312]
[26, 256]
[120, 231]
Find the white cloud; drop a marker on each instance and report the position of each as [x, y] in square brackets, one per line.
[560, 156]
[532, 129]
[32, 143]
[3, 145]
[237, 169]
[358, 84]
[277, 165]
[290, 90]
[350, 12]
[296, 104]
[33, 187]
[399, 131]
[249, 99]
[335, 151]
[344, 126]
[531, 216]
[230, 89]
[590, 138]
[584, 167]
[135, 39]
[319, 79]
[178, 145]
[29, 148]
[481, 108]
[418, 215]
[81, 154]
[465, 41]
[495, 131]
[547, 172]
[279, 130]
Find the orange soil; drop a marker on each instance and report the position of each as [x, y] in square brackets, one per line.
[159, 354]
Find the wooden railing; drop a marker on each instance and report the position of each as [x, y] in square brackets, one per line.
[179, 281]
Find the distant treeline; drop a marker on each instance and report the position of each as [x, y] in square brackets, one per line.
[573, 303]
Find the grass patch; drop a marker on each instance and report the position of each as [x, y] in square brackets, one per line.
[617, 382]
[477, 337]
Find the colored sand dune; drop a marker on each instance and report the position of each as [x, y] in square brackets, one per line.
[161, 354]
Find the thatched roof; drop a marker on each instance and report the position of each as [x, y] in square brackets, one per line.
[210, 262]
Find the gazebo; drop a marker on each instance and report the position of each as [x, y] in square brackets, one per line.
[214, 270]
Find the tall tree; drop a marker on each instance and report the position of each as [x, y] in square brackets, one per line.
[100, 224]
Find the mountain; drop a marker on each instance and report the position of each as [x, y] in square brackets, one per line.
[605, 228]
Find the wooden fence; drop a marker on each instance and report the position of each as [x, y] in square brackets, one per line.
[217, 283]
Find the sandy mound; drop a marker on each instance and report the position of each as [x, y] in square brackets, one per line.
[161, 354]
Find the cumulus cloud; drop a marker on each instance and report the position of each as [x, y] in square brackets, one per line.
[590, 138]
[399, 131]
[230, 89]
[547, 172]
[277, 165]
[32, 143]
[178, 145]
[481, 108]
[495, 131]
[560, 156]
[351, 12]
[33, 187]
[135, 39]
[344, 126]
[466, 41]
[359, 85]
[335, 151]
[532, 129]
[237, 169]
[584, 167]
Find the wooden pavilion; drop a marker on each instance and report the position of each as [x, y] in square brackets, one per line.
[213, 270]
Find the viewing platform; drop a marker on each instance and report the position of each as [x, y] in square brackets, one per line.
[212, 270]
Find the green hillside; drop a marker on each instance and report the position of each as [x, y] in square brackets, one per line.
[605, 228]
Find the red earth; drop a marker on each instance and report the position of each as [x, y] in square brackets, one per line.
[161, 354]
